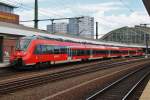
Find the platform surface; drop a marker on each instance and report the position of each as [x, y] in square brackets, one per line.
[146, 93]
[6, 64]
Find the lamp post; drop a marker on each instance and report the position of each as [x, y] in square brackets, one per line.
[146, 42]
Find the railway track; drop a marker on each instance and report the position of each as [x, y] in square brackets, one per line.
[9, 71]
[38, 79]
[122, 88]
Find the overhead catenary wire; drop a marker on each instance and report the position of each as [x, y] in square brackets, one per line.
[27, 7]
[52, 19]
[24, 7]
[125, 5]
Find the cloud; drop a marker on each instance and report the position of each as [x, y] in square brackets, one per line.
[98, 11]
[99, 7]
[29, 1]
[108, 23]
[74, 10]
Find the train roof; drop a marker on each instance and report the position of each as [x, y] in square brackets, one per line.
[20, 30]
[73, 45]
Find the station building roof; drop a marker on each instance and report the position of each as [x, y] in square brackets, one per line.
[20, 30]
[147, 5]
[9, 5]
[128, 35]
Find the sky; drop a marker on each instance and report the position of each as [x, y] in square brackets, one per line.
[111, 14]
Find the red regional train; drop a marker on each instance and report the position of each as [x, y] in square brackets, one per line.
[36, 50]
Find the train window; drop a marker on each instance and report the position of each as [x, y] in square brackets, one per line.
[87, 52]
[82, 52]
[56, 50]
[50, 49]
[132, 52]
[103, 52]
[63, 50]
[100, 52]
[140, 51]
[38, 49]
[124, 52]
[94, 52]
[73, 52]
[115, 52]
[106, 52]
[44, 49]
[78, 52]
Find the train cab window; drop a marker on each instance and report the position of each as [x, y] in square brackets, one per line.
[23, 43]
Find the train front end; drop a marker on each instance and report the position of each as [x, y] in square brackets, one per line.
[19, 55]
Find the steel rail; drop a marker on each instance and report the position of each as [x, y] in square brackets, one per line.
[135, 86]
[93, 96]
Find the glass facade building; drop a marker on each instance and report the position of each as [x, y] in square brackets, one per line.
[82, 27]
[58, 27]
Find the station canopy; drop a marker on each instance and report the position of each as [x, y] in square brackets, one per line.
[147, 5]
[128, 35]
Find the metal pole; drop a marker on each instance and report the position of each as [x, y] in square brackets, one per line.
[96, 30]
[36, 15]
[78, 32]
[52, 20]
[146, 40]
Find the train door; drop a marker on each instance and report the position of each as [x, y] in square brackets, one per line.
[1, 48]
[69, 53]
[128, 53]
[38, 53]
[91, 53]
[109, 53]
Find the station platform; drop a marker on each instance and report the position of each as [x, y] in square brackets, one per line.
[4, 64]
[146, 93]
